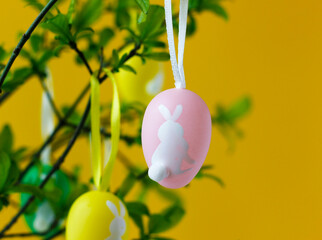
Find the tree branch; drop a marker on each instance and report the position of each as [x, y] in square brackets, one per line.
[24, 39]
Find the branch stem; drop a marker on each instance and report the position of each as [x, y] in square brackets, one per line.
[24, 39]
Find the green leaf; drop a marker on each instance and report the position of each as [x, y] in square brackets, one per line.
[18, 154]
[126, 186]
[105, 36]
[138, 208]
[239, 109]
[144, 5]
[26, 188]
[156, 44]
[90, 12]
[217, 9]
[60, 26]
[35, 4]
[17, 79]
[168, 219]
[138, 220]
[12, 176]
[115, 58]
[5, 164]
[153, 23]
[202, 174]
[36, 42]
[71, 11]
[128, 68]
[3, 53]
[6, 139]
[142, 17]
[159, 56]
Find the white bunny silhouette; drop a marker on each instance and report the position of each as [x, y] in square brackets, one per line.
[118, 225]
[172, 150]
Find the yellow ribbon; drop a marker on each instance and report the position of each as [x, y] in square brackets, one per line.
[102, 181]
[95, 131]
[115, 132]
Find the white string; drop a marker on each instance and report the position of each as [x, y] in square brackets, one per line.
[177, 67]
[47, 117]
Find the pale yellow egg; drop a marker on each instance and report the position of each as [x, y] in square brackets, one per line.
[97, 215]
[144, 85]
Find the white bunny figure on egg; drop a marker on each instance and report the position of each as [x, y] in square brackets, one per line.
[118, 225]
[172, 150]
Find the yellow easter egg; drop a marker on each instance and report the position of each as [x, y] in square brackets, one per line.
[99, 216]
[142, 86]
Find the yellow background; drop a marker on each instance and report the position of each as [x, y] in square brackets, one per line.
[270, 50]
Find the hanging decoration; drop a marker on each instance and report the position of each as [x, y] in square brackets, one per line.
[99, 214]
[176, 129]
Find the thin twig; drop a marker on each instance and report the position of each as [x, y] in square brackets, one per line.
[24, 39]
[74, 46]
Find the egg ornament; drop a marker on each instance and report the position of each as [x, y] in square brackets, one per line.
[142, 86]
[41, 218]
[97, 215]
[176, 134]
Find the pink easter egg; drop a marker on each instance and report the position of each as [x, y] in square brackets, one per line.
[176, 135]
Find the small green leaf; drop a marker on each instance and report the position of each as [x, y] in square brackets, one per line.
[36, 42]
[105, 36]
[115, 58]
[128, 68]
[138, 220]
[158, 56]
[17, 79]
[26, 188]
[217, 9]
[156, 44]
[239, 109]
[12, 176]
[3, 53]
[35, 4]
[6, 139]
[142, 17]
[60, 26]
[71, 11]
[138, 208]
[90, 12]
[168, 219]
[144, 5]
[153, 23]
[5, 164]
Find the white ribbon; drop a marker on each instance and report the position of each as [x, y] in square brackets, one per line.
[47, 117]
[177, 67]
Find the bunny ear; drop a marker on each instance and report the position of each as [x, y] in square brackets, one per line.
[122, 209]
[177, 112]
[113, 208]
[165, 112]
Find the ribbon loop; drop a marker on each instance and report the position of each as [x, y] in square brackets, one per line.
[177, 66]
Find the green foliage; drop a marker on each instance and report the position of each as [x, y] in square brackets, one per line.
[88, 14]
[144, 5]
[226, 118]
[153, 25]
